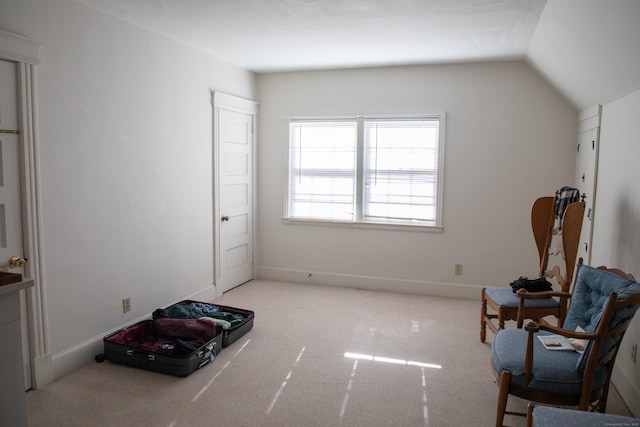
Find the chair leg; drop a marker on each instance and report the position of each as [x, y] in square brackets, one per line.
[503, 395]
[483, 318]
[530, 415]
[602, 403]
[501, 317]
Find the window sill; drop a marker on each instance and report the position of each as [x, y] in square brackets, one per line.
[366, 225]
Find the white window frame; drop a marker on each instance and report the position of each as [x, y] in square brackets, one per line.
[359, 221]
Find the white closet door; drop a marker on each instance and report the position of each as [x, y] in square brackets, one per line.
[587, 173]
[234, 120]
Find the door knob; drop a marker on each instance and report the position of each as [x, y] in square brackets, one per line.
[225, 218]
[16, 262]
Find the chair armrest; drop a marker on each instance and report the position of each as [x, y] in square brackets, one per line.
[523, 294]
[532, 327]
[528, 357]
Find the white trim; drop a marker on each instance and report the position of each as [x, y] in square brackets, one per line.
[36, 298]
[18, 48]
[400, 226]
[589, 118]
[441, 150]
[372, 283]
[356, 116]
[231, 102]
[42, 371]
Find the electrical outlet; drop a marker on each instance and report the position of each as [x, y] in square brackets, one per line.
[126, 305]
[458, 271]
[634, 352]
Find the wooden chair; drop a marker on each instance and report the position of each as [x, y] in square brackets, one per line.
[603, 304]
[502, 304]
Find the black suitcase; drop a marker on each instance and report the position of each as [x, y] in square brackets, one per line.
[170, 346]
[239, 327]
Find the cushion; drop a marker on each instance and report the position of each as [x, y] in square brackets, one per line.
[590, 294]
[506, 298]
[545, 416]
[553, 370]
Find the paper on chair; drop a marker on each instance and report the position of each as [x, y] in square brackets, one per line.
[555, 342]
[559, 342]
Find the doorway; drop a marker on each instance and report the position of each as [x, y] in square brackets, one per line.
[19, 57]
[11, 239]
[234, 140]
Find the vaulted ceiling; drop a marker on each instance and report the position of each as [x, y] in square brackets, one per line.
[586, 48]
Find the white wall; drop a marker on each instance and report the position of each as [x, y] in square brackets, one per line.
[616, 236]
[510, 138]
[125, 165]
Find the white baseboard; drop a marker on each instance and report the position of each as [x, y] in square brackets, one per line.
[373, 283]
[75, 357]
[630, 394]
[72, 358]
[42, 373]
[206, 295]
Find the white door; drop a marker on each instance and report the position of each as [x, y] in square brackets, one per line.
[11, 237]
[234, 198]
[586, 174]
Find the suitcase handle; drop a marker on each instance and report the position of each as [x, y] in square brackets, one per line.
[209, 357]
[141, 353]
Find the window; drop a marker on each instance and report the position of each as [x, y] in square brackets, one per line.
[374, 170]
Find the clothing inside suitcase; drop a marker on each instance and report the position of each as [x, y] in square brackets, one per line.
[234, 322]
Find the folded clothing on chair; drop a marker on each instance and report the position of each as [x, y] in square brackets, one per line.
[539, 284]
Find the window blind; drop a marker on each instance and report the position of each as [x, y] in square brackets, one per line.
[400, 169]
[322, 170]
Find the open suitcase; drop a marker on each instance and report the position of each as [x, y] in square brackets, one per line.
[239, 321]
[171, 346]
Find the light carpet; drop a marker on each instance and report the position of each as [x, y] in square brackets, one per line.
[317, 356]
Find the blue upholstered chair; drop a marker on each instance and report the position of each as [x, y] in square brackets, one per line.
[545, 416]
[501, 304]
[603, 305]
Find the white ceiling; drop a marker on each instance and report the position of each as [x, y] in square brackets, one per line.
[285, 35]
[587, 49]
